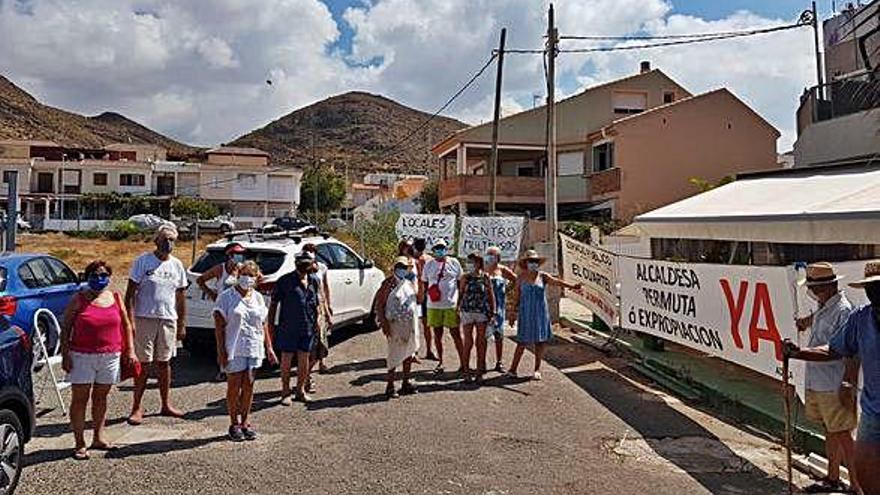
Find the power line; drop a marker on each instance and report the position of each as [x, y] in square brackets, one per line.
[684, 39]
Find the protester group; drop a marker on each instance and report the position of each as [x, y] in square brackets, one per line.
[106, 337]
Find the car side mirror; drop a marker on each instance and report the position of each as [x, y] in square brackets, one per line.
[367, 264]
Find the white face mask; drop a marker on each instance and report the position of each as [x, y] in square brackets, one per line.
[469, 266]
[247, 282]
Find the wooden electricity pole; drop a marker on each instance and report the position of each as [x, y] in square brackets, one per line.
[493, 160]
[552, 42]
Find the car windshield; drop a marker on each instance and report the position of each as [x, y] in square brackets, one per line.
[268, 261]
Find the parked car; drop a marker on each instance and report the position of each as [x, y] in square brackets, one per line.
[353, 281]
[29, 282]
[16, 402]
[148, 221]
[290, 224]
[220, 223]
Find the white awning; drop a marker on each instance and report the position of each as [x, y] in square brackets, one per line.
[809, 206]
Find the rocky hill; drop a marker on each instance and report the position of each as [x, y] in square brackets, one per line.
[23, 117]
[366, 132]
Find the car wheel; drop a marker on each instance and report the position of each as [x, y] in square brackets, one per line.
[11, 451]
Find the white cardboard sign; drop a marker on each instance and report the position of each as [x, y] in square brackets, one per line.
[478, 233]
[596, 269]
[426, 226]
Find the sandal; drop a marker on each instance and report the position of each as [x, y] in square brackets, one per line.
[104, 447]
[438, 370]
[81, 454]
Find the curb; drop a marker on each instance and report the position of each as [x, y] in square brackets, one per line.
[685, 387]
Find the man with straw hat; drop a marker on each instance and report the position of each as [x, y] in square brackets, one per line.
[532, 310]
[830, 397]
[859, 337]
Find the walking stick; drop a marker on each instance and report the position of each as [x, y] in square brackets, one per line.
[787, 398]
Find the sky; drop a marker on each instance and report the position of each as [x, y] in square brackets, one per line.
[198, 70]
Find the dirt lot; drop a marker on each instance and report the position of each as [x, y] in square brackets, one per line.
[78, 252]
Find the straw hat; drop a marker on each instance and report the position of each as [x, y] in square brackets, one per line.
[441, 242]
[531, 255]
[872, 274]
[403, 260]
[475, 255]
[821, 273]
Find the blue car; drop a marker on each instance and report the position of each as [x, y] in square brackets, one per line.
[29, 282]
[16, 402]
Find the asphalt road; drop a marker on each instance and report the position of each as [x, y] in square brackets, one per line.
[588, 427]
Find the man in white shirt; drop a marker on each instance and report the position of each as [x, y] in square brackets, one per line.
[156, 307]
[440, 277]
[831, 395]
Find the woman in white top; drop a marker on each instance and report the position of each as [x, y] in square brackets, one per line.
[243, 340]
[224, 274]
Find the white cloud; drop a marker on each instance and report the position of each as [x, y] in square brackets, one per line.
[197, 69]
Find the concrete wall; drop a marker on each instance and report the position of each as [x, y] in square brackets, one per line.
[852, 135]
[578, 115]
[709, 137]
[242, 160]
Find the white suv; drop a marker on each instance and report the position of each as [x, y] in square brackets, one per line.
[353, 280]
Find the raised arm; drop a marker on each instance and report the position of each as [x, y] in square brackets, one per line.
[507, 273]
[210, 274]
[554, 280]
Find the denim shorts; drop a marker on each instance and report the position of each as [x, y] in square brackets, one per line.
[869, 429]
[242, 363]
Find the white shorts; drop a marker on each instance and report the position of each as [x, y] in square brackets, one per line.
[473, 318]
[87, 369]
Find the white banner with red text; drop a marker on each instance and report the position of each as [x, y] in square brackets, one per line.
[738, 313]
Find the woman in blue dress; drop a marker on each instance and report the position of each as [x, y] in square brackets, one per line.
[532, 310]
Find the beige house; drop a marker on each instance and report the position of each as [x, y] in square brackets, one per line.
[647, 160]
[589, 182]
[53, 179]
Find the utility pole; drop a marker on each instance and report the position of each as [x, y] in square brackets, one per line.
[820, 78]
[11, 209]
[493, 160]
[552, 42]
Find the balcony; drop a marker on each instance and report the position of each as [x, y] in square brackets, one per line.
[837, 99]
[475, 189]
[604, 183]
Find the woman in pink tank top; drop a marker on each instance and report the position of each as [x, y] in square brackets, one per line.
[96, 334]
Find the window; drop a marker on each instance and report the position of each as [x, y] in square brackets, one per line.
[99, 178]
[132, 180]
[247, 181]
[35, 274]
[340, 257]
[571, 163]
[215, 183]
[603, 156]
[526, 171]
[45, 182]
[61, 274]
[668, 96]
[7, 174]
[629, 102]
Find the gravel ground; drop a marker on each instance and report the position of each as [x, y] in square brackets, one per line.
[588, 427]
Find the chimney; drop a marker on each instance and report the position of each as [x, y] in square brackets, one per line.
[645, 66]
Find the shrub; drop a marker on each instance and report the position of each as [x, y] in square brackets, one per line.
[375, 238]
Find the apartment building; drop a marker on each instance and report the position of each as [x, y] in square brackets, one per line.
[619, 154]
[53, 180]
[838, 122]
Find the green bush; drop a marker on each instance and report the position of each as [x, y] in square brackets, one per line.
[374, 238]
[119, 230]
[192, 207]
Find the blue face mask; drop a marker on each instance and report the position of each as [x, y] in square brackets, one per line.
[490, 259]
[237, 258]
[99, 282]
[533, 266]
[440, 252]
[411, 276]
[401, 273]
